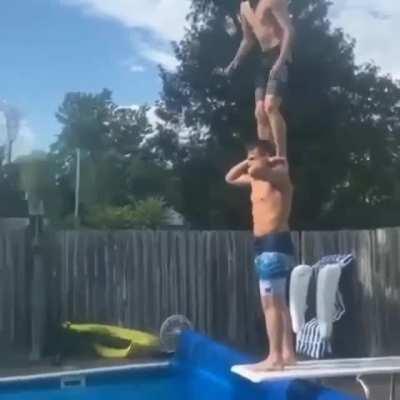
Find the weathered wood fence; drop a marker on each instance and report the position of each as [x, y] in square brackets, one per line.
[14, 289]
[373, 285]
[138, 278]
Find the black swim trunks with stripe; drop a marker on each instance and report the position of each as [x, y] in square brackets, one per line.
[265, 84]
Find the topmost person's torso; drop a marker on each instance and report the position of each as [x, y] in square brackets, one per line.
[263, 24]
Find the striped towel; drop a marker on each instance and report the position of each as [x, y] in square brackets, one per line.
[342, 259]
[309, 342]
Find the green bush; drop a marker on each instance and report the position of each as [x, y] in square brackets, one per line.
[109, 217]
[144, 214]
[150, 213]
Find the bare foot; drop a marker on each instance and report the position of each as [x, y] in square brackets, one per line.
[289, 359]
[270, 364]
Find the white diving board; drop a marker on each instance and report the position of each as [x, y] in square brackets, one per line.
[335, 368]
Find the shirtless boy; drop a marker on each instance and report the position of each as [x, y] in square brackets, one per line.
[271, 197]
[268, 23]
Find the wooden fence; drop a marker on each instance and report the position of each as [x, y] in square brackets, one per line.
[138, 278]
[14, 289]
[373, 286]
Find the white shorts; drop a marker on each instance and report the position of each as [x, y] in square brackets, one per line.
[273, 287]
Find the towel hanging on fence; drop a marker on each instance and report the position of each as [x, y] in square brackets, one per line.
[314, 337]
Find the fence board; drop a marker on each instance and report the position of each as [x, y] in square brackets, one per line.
[138, 278]
[14, 301]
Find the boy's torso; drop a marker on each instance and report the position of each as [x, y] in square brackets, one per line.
[271, 207]
[263, 24]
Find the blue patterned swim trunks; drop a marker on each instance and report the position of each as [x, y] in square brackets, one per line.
[274, 260]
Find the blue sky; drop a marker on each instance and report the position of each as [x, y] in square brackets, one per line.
[50, 47]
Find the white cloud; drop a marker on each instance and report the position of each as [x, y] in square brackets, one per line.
[136, 68]
[166, 18]
[159, 56]
[375, 25]
[162, 20]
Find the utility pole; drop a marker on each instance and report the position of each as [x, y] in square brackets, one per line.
[77, 187]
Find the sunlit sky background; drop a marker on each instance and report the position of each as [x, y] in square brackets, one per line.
[50, 47]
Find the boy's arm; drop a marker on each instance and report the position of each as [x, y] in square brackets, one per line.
[246, 44]
[276, 171]
[238, 175]
[280, 11]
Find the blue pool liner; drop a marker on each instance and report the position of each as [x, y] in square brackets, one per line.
[200, 370]
[200, 353]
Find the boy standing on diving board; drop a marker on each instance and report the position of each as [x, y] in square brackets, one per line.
[271, 197]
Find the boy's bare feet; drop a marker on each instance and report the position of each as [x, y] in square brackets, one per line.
[270, 364]
[289, 359]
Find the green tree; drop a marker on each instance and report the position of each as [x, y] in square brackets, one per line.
[36, 179]
[343, 124]
[116, 164]
[12, 200]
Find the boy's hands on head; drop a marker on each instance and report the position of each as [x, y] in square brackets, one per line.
[257, 164]
[271, 169]
[238, 175]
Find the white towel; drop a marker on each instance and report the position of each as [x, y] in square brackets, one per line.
[309, 341]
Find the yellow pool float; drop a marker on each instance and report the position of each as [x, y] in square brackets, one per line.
[130, 342]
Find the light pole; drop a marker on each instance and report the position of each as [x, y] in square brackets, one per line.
[37, 289]
[77, 187]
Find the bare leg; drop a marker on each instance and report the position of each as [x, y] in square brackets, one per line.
[277, 123]
[264, 130]
[272, 306]
[288, 353]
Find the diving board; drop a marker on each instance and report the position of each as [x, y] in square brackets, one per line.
[335, 368]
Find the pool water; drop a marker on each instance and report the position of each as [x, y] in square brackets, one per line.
[199, 371]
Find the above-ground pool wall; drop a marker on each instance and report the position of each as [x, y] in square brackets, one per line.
[199, 371]
[199, 353]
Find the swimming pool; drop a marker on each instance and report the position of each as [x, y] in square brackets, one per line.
[199, 371]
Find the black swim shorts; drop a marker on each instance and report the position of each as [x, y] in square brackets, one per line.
[265, 84]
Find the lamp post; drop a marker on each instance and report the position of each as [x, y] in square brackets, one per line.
[37, 289]
[77, 187]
